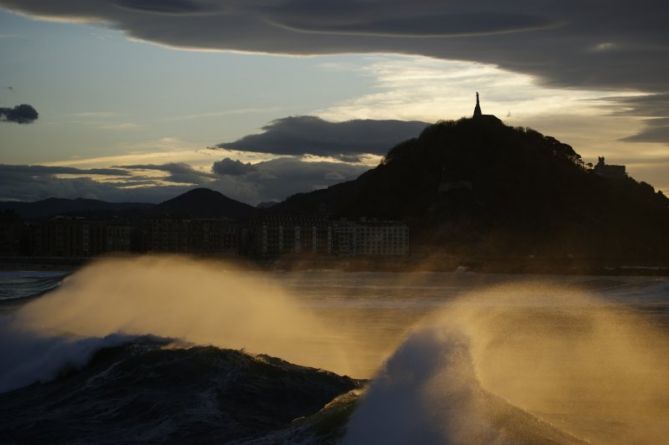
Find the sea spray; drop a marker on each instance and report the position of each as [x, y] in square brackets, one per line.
[198, 301]
[522, 364]
[517, 364]
[424, 386]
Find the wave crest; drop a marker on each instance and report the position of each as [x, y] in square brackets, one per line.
[522, 365]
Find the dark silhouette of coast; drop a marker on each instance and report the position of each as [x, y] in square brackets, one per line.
[473, 193]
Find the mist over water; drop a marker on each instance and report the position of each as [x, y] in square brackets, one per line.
[522, 364]
[201, 302]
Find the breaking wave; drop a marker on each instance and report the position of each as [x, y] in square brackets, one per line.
[201, 302]
[522, 365]
[27, 358]
[149, 390]
[137, 345]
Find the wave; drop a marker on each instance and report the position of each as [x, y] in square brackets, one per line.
[27, 358]
[202, 302]
[20, 285]
[429, 394]
[522, 365]
[517, 364]
[150, 390]
[92, 361]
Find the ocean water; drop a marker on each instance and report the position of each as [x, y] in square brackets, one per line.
[375, 311]
[16, 285]
[447, 358]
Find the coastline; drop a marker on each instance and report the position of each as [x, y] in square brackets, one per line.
[509, 265]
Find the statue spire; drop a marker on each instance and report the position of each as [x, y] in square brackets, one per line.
[477, 109]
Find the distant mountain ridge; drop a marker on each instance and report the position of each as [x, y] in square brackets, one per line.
[196, 203]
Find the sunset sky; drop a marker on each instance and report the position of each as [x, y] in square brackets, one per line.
[140, 100]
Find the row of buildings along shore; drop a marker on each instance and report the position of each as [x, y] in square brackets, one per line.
[266, 237]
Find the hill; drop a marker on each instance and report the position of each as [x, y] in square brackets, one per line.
[478, 187]
[204, 203]
[197, 203]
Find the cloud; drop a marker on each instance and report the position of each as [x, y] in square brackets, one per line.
[7, 170]
[162, 6]
[120, 126]
[35, 182]
[302, 135]
[277, 179]
[20, 114]
[656, 130]
[649, 107]
[272, 180]
[232, 167]
[601, 44]
[427, 89]
[439, 25]
[551, 38]
[177, 172]
[265, 181]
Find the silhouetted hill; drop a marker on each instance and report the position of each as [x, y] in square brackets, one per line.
[204, 203]
[480, 187]
[50, 207]
[197, 203]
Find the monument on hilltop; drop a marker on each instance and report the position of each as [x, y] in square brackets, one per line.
[483, 119]
[477, 109]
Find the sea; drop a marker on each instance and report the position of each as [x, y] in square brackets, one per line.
[168, 349]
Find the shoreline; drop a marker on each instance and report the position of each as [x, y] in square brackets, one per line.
[510, 266]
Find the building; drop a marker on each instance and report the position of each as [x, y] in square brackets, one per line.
[64, 236]
[215, 236]
[274, 236]
[371, 238]
[609, 171]
[196, 236]
[60, 237]
[11, 234]
[119, 237]
[266, 237]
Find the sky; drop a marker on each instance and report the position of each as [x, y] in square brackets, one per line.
[139, 100]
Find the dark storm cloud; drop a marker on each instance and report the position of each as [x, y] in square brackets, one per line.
[568, 42]
[300, 135]
[162, 6]
[442, 25]
[612, 44]
[20, 114]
